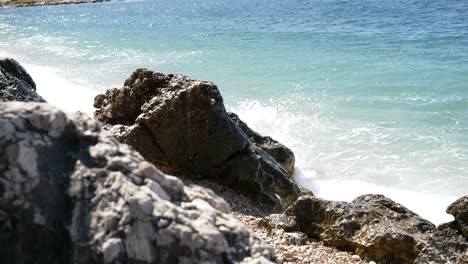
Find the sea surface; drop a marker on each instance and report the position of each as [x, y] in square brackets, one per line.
[371, 95]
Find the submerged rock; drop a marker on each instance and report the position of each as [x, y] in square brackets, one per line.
[15, 83]
[70, 193]
[375, 228]
[181, 125]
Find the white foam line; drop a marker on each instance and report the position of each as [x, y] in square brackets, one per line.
[324, 179]
[430, 206]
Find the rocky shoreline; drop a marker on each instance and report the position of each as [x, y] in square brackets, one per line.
[14, 4]
[100, 190]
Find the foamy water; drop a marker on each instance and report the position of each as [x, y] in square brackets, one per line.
[328, 171]
[57, 90]
[370, 95]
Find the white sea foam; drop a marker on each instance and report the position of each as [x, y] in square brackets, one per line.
[428, 205]
[56, 89]
[341, 163]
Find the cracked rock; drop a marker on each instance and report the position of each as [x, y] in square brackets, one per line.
[71, 193]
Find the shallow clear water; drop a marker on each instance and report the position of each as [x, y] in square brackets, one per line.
[371, 95]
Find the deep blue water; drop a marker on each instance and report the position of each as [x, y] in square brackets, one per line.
[371, 95]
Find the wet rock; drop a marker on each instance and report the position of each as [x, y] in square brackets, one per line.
[71, 193]
[375, 228]
[15, 83]
[181, 125]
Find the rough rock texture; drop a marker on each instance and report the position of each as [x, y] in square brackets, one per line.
[70, 193]
[15, 83]
[449, 243]
[181, 125]
[373, 227]
[459, 210]
[290, 247]
[278, 151]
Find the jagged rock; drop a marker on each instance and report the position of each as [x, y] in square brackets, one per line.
[375, 228]
[459, 210]
[181, 125]
[278, 151]
[449, 243]
[444, 245]
[15, 83]
[71, 193]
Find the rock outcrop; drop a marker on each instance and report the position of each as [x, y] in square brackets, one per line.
[375, 228]
[459, 210]
[449, 243]
[15, 83]
[181, 125]
[71, 193]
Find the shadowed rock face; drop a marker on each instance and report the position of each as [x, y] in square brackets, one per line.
[70, 193]
[278, 151]
[376, 228]
[15, 83]
[181, 125]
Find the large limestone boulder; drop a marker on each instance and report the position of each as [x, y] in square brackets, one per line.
[181, 125]
[15, 83]
[374, 227]
[71, 193]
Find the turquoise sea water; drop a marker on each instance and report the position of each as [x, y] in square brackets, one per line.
[371, 95]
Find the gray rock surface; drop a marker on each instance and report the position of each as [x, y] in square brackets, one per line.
[71, 193]
[181, 125]
[15, 83]
[375, 228]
